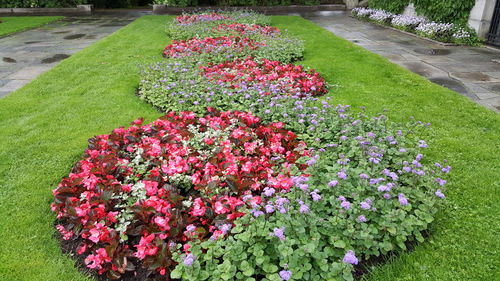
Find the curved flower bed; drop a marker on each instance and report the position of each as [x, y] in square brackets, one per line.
[292, 79]
[227, 197]
[142, 193]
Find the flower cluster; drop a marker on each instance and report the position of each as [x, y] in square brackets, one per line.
[270, 75]
[434, 29]
[219, 45]
[140, 193]
[381, 16]
[188, 19]
[362, 12]
[406, 22]
[444, 32]
[247, 29]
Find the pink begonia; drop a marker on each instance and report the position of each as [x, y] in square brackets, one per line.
[96, 261]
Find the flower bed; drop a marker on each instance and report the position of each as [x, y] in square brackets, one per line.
[236, 196]
[140, 193]
[220, 49]
[443, 32]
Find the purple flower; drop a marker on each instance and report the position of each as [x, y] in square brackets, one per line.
[363, 176]
[278, 232]
[439, 194]
[257, 213]
[383, 188]
[350, 258]
[269, 191]
[188, 260]
[346, 205]
[269, 208]
[315, 196]
[365, 205]
[333, 183]
[342, 175]
[341, 198]
[402, 199]
[225, 227]
[441, 182]
[190, 227]
[446, 170]
[362, 218]
[285, 275]
[422, 144]
[387, 195]
[304, 209]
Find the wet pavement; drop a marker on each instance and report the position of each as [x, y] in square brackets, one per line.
[471, 71]
[25, 55]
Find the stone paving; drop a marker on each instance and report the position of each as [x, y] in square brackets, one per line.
[471, 71]
[25, 55]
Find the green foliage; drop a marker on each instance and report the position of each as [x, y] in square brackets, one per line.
[41, 3]
[393, 6]
[445, 10]
[177, 3]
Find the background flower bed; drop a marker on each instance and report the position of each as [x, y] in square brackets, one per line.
[467, 136]
[459, 33]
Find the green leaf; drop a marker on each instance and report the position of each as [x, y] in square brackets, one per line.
[339, 244]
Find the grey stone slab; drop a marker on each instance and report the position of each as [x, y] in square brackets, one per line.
[424, 69]
[474, 77]
[4, 94]
[494, 74]
[484, 96]
[493, 103]
[28, 73]
[492, 87]
[13, 85]
[25, 55]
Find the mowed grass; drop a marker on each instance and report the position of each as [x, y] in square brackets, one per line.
[11, 25]
[45, 125]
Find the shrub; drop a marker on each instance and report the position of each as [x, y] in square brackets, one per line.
[393, 6]
[140, 194]
[381, 16]
[41, 3]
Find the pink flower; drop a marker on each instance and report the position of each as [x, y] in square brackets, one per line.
[96, 261]
[146, 247]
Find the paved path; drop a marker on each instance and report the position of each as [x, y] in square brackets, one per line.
[25, 55]
[470, 71]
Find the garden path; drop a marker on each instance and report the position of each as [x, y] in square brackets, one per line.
[25, 55]
[471, 71]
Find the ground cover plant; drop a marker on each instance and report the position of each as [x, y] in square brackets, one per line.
[37, 153]
[445, 32]
[16, 24]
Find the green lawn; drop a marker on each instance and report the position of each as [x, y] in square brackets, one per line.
[16, 24]
[45, 126]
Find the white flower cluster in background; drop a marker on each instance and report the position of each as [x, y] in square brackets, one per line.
[434, 28]
[407, 21]
[381, 15]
